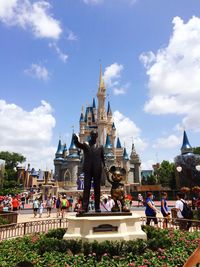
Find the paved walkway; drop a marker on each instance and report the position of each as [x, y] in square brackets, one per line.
[29, 217]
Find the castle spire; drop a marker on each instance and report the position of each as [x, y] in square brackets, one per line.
[125, 155]
[186, 147]
[109, 111]
[118, 143]
[101, 81]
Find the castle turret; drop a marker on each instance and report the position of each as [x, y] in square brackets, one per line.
[126, 162]
[94, 109]
[82, 126]
[59, 151]
[186, 147]
[119, 152]
[135, 172]
[71, 174]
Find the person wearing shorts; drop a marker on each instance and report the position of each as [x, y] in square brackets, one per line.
[64, 205]
[164, 209]
[49, 205]
[35, 206]
[151, 210]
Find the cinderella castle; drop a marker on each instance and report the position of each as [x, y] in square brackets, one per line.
[68, 161]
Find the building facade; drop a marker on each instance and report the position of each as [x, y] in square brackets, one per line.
[68, 162]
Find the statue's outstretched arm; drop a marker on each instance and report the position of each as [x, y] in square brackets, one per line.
[77, 143]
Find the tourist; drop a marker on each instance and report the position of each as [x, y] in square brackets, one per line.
[49, 205]
[140, 200]
[70, 202]
[35, 206]
[183, 224]
[15, 204]
[151, 210]
[58, 206]
[41, 208]
[64, 205]
[104, 205]
[22, 201]
[193, 259]
[111, 203]
[164, 209]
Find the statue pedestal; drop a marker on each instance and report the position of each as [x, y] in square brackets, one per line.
[104, 226]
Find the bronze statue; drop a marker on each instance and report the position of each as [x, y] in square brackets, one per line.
[92, 168]
[117, 189]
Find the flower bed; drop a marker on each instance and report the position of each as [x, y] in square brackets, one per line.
[166, 248]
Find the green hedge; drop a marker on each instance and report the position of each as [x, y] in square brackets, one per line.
[166, 248]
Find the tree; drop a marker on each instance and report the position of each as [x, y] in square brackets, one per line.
[11, 159]
[11, 162]
[196, 150]
[166, 174]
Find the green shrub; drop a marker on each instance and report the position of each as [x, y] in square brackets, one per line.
[52, 252]
[56, 233]
[3, 221]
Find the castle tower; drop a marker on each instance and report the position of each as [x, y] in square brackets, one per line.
[58, 161]
[125, 163]
[119, 152]
[71, 172]
[82, 126]
[101, 114]
[135, 172]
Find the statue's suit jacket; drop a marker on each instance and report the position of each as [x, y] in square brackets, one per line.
[93, 158]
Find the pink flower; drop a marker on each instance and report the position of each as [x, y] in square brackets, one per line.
[132, 264]
[163, 257]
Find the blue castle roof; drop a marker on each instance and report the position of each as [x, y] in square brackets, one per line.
[125, 155]
[72, 145]
[118, 143]
[94, 104]
[109, 108]
[108, 143]
[186, 147]
[60, 148]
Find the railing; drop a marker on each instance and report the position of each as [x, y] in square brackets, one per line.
[10, 217]
[173, 223]
[26, 228]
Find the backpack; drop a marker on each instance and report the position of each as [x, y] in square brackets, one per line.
[186, 212]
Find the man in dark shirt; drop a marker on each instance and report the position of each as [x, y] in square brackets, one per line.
[92, 168]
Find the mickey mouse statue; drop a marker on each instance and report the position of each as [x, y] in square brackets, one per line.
[117, 189]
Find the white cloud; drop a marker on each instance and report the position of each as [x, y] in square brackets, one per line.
[112, 77]
[62, 56]
[127, 131]
[119, 91]
[28, 133]
[34, 16]
[148, 165]
[174, 73]
[93, 2]
[112, 74]
[72, 36]
[168, 142]
[38, 71]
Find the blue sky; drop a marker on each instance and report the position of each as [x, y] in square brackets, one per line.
[50, 54]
